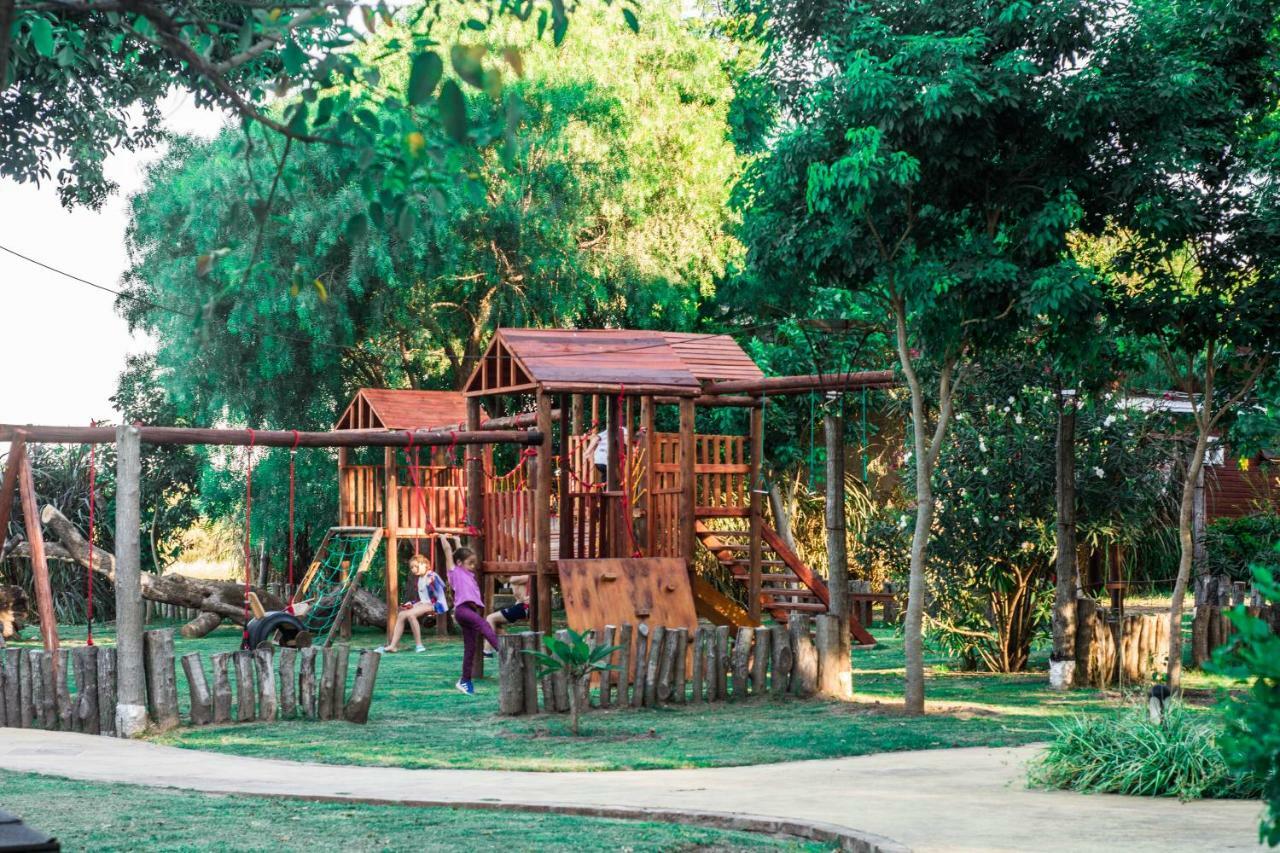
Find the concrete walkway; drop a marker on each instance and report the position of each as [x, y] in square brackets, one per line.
[952, 800]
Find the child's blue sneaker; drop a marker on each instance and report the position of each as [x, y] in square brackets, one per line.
[466, 687]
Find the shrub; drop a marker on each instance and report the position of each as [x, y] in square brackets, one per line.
[1127, 753]
[1252, 742]
[1233, 545]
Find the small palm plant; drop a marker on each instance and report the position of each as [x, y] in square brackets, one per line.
[578, 660]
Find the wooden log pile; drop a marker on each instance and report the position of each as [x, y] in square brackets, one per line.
[76, 690]
[1143, 649]
[1215, 597]
[661, 666]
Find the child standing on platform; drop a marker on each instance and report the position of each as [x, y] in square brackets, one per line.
[468, 612]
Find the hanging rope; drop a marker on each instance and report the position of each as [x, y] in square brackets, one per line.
[293, 456]
[427, 525]
[248, 529]
[92, 502]
[617, 433]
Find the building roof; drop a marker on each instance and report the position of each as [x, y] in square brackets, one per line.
[607, 360]
[394, 408]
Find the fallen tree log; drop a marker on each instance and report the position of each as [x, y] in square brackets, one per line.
[225, 599]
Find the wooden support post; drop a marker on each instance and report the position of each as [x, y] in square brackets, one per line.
[246, 687]
[39, 565]
[511, 664]
[760, 662]
[804, 675]
[268, 705]
[221, 687]
[344, 496]
[656, 639]
[198, 687]
[623, 675]
[542, 517]
[563, 485]
[607, 678]
[9, 659]
[641, 665]
[85, 659]
[9, 489]
[650, 474]
[391, 524]
[131, 685]
[688, 481]
[756, 518]
[696, 641]
[56, 674]
[307, 682]
[162, 679]
[782, 660]
[357, 708]
[681, 636]
[665, 693]
[532, 641]
[288, 683]
[107, 690]
[833, 657]
[474, 461]
[723, 661]
[742, 662]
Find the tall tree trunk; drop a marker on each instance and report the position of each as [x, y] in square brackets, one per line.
[1187, 541]
[1064, 598]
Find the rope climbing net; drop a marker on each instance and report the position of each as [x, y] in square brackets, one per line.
[343, 557]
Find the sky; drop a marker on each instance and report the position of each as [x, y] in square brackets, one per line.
[62, 343]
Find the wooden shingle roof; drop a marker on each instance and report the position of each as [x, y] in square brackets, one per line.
[607, 360]
[393, 408]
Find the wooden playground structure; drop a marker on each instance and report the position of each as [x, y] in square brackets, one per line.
[619, 539]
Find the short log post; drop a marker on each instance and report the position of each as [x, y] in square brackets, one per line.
[532, 641]
[36, 666]
[4, 705]
[782, 661]
[198, 688]
[162, 678]
[357, 708]
[741, 661]
[268, 704]
[723, 661]
[696, 642]
[58, 690]
[9, 659]
[107, 690]
[307, 682]
[681, 654]
[641, 665]
[288, 682]
[28, 678]
[657, 636]
[667, 668]
[328, 682]
[804, 676]
[607, 676]
[340, 679]
[709, 680]
[246, 687]
[623, 675]
[221, 688]
[760, 662]
[511, 664]
[833, 673]
[85, 659]
[555, 686]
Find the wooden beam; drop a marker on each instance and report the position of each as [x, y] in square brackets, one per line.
[688, 481]
[131, 696]
[650, 475]
[542, 515]
[524, 420]
[273, 438]
[17, 451]
[475, 483]
[755, 486]
[805, 383]
[390, 522]
[613, 479]
[39, 565]
[710, 400]
[566, 506]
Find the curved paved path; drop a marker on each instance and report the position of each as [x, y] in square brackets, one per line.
[952, 800]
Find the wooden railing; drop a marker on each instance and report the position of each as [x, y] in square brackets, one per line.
[363, 487]
[439, 498]
[508, 526]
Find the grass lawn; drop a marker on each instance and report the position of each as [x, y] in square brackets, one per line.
[418, 719]
[93, 816]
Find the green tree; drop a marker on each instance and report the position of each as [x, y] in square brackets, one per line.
[924, 171]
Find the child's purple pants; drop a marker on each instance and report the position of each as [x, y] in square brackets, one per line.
[473, 627]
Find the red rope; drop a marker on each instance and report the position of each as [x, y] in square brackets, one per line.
[293, 455]
[626, 489]
[248, 530]
[92, 501]
[417, 489]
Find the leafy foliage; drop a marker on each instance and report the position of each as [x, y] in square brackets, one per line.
[1234, 546]
[1252, 742]
[1127, 753]
[577, 661]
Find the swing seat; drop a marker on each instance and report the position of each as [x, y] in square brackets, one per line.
[284, 628]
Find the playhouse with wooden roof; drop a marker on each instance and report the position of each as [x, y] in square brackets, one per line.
[605, 506]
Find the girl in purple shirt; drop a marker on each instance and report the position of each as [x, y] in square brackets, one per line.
[468, 612]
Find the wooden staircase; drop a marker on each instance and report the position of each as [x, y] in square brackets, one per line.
[787, 585]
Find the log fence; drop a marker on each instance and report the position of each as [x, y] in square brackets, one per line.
[1215, 597]
[79, 694]
[665, 666]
